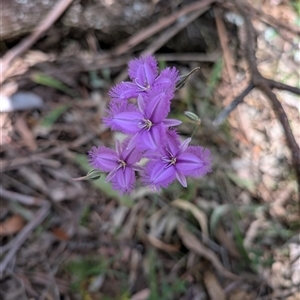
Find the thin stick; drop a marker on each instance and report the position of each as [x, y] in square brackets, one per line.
[23, 235]
[172, 31]
[283, 86]
[27, 200]
[209, 57]
[39, 31]
[232, 106]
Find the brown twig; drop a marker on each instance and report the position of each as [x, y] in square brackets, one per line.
[27, 200]
[281, 86]
[172, 31]
[39, 31]
[209, 57]
[266, 85]
[23, 235]
[165, 36]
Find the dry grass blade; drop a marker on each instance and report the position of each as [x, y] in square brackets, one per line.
[26, 133]
[195, 211]
[213, 286]
[155, 242]
[193, 244]
[227, 242]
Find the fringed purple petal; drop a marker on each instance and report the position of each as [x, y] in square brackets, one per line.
[141, 104]
[171, 122]
[124, 91]
[151, 139]
[102, 158]
[172, 142]
[130, 155]
[181, 178]
[143, 71]
[195, 162]
[158, 104]
[123, 117]
[124, 180]
[167, 78]
[157, 175]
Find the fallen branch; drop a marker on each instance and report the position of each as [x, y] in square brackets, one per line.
[264, 85]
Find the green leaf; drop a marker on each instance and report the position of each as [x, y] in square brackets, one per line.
[54, 114]
[105, 187]
[46, 80]
[192, 116]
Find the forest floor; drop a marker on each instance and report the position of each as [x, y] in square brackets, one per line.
[233, 234]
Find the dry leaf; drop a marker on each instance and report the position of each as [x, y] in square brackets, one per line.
[213, 286]
[227, 242]
[161, 245]
[12, 225]
[196, 212]
[192, 243]
[60, 233]
[26, 134]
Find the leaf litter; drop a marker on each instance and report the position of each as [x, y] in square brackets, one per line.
[178, 244]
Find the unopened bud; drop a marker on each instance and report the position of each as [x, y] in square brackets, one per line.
[91, 175]
[192, 116]
[183, 79]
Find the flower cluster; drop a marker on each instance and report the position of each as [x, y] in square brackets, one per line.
[140, 109]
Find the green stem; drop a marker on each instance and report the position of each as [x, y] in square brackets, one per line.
[194, 131]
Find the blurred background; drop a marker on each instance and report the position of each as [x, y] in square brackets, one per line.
[233, 234]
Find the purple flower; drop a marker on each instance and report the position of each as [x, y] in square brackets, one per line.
[176, 161]
[144, 75]
[121, 165]
[147, 122]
